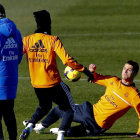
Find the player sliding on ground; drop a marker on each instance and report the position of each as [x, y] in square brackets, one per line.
[119, 97]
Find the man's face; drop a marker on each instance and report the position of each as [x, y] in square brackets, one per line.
[128, 72]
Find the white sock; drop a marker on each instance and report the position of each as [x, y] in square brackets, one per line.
[60, 135]
[30, 126]
[42, 125]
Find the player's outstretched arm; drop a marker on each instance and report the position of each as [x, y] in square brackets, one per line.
[89, 75]
[92, 67]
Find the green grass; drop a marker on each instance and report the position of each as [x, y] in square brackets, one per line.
[104, 32]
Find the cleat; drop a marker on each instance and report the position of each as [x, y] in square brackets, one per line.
[39, 128]
[24, 135]
[26, 132]
[25, 123]
[54, 131]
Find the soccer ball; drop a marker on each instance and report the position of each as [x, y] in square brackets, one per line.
[72, 75]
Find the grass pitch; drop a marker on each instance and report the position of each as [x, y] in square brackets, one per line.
[103, 32]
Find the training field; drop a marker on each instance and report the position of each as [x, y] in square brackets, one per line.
[103, 32]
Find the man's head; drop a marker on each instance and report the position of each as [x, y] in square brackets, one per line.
[130, 70]
[2, 12]
[43, 19]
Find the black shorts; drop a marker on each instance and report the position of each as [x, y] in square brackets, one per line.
[59, 94]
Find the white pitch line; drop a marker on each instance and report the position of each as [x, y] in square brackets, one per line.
[63, 79]
[98, 34]
[23, 77]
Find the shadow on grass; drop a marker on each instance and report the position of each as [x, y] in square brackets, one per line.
[100, 137]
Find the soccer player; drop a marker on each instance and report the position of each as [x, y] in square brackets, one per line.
[11, 52]
[119, 97]
[41, 49]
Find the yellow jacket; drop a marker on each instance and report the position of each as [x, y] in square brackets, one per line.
[116, 101]
[41, 50]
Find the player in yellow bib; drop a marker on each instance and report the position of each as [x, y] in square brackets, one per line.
[120, 95]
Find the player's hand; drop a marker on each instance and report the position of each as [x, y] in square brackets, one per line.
[92, 67]
[89, 75]
[135, 136]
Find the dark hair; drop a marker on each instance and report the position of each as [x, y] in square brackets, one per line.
[134, 64]
[2, 12]
[43, 20]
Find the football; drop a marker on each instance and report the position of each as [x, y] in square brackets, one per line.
[72, 75]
